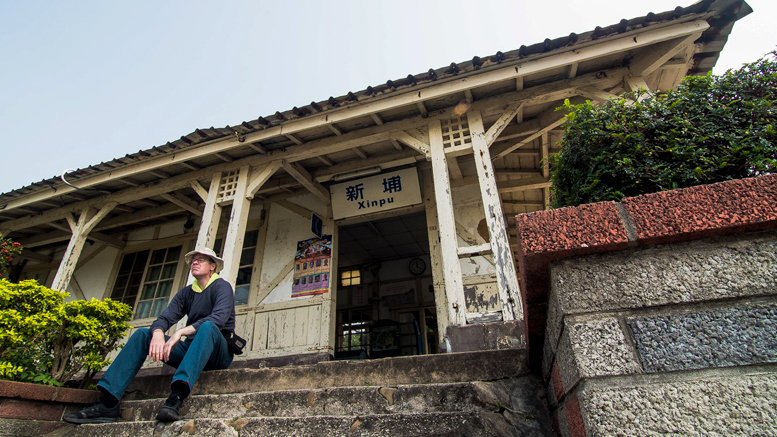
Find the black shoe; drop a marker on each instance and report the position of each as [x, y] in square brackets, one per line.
[95, 413]
[171, 410]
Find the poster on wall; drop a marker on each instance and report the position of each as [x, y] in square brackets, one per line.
[311, 266]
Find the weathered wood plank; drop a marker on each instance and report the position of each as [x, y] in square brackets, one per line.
[509, 291]
[446, 227]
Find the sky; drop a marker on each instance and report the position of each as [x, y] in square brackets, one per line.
[82, 82]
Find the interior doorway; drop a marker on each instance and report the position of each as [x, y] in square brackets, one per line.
[385, 298]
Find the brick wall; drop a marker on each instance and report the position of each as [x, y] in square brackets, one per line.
[659, 313]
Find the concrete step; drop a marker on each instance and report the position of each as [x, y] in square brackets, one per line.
[387, 372]
[338, 401]
[474, 424]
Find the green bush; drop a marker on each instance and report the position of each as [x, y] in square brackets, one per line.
[45, 340]
[710, 129]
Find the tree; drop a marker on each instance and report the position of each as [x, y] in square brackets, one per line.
[710, 129]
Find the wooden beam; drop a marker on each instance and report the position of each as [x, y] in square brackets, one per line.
[325, 160]
[260, 178]
[396, 144]
[307, 181]
[412, 142]
[374, 134]
[634, 84]
[359, 152]
[510, 71]
[35, 256]
[457, 306]
[524, 184]
[107, 240]
[595, 94]
[293, 207]
[202, 192]
[422, 108]
[572, 70]
[496, 129]
[519, 83]
[435, 255]
[258, 148]
[267, 289]
[454, 169]
[159, 173]
[653, 57]
[236, 228]
[297, 140]
[468, 95]
[86, 222]
[470, 251]
[551, 119]
[130, 181]
[389, 160]
[184, 202]
[190, 165]
[211, 214]
[334, 129]
[138, 216]
[376, 118]
[504, 263]
[223, 156]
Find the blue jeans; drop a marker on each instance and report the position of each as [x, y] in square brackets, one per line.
[207, 351]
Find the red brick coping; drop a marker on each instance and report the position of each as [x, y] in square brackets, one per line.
[40, 403]
[664, 217]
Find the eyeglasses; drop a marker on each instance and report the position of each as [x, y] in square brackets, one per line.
[200, 260]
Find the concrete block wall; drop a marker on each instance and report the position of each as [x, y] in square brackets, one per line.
[660, 311]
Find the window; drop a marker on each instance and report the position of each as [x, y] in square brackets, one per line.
[350, 277]
[354, 329]
[130, 277]
[243, 281]
[158, 283]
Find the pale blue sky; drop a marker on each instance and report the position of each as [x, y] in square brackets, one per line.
[87, 81]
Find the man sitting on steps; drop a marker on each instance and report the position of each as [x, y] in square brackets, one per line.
[209, 304]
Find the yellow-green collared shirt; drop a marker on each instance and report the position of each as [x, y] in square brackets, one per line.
[196, 285]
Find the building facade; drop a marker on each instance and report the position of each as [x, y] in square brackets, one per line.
[374, 221]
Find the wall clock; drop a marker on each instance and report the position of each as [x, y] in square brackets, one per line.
[417, 266]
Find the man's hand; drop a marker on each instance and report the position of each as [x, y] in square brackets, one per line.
[156, 349]
[174, 339]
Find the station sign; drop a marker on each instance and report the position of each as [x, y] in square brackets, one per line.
[379, 193]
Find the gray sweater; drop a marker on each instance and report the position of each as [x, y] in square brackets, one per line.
[216, 303]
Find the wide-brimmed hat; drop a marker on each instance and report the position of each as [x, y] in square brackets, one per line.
[207, 252]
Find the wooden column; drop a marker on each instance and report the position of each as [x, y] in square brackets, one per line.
[233, 242]
[209, 225]
[435, 257]
[506, 278]
[454, 289]
[329, 305]
[86, 222]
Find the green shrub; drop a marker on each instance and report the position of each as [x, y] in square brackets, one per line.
[45, 340]
[710, 129]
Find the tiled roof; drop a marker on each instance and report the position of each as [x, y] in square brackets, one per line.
[702, 65]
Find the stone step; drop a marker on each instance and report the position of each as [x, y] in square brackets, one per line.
[387, 372]
[473, 424]
[339, 401]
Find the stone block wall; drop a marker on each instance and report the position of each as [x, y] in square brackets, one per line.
[662, 319]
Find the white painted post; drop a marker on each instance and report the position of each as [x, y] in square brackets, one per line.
[86, 222]
[206, 237]
[454, 289]
[435, 256]
[329, 305]
[506, 278]
[233, 242]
